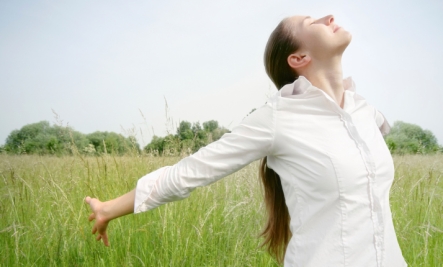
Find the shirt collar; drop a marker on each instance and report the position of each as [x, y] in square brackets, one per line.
[301, 85]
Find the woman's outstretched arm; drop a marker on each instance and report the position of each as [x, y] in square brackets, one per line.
[249, 141]
[104, 212]
[252, 139]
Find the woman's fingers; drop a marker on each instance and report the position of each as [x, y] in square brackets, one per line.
[103, 237]
[105, 240]
[99, 226]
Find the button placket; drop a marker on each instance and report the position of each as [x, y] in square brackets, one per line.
[376, 213]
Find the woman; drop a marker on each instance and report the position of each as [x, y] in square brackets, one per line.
[326, 169]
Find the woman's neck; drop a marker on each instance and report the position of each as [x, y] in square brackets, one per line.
[327, 76]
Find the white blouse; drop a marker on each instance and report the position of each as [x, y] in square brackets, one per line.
[335, 168]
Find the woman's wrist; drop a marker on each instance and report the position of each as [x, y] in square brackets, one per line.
[118, 207]
[106, 212]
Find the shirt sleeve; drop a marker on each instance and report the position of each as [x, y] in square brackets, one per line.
[252, 139]
[382, 123]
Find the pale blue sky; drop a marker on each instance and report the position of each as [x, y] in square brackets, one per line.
[99, 63]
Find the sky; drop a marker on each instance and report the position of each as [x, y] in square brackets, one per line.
[141, 67]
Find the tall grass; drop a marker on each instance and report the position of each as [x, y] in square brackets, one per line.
[417, 207]
[44, 220]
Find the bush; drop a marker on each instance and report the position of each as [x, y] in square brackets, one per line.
[188, 139]
[408, 138]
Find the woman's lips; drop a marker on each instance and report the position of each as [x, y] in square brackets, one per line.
[337, 28]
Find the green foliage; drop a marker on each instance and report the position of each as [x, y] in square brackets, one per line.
[162, 145]
[42, 138]
[184, 130]
[408, 138]
[188, 138]
[110, 142]
[210, 126]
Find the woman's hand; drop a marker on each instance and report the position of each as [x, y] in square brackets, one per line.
[101, 219]
[104, 212]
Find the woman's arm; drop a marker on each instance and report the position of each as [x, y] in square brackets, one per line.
[249, 141]
[104, 212]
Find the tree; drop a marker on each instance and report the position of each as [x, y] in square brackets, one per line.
[408, 138]
[188, 138]
[42, 138]
[184, 131]
[210, 126]
[156, 145]
[110, 142]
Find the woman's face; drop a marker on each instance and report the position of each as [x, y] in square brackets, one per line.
[320, 38]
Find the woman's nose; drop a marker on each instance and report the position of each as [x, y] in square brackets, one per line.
[328, 20]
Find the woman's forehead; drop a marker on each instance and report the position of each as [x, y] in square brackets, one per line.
[298, 19]
[296, 22]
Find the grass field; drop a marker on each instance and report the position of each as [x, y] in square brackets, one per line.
[44, 220]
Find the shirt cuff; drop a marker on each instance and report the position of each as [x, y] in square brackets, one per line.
[144, 189]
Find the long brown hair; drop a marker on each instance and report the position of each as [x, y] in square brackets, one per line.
[276, 232]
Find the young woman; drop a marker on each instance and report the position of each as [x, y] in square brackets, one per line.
[326, 169]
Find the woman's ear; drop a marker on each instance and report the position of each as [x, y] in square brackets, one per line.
[297, 61]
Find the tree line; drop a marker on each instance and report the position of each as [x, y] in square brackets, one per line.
[43, 138]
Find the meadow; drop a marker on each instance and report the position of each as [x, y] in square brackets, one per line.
[43, 220]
